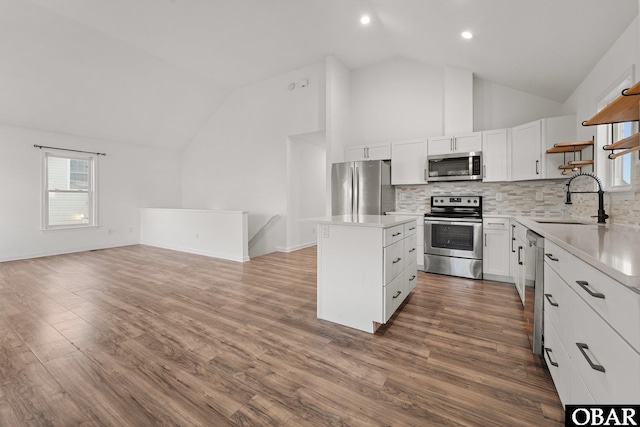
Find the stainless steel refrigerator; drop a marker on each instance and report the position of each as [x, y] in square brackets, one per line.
[362, 188]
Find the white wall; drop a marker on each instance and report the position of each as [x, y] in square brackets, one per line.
[395, 100]
[624, 54]
[403, 99]
[337, 124]
[129, 177]
[497, 107]
[238, 160]
[306, 181]
[458, 101]
[219, 234]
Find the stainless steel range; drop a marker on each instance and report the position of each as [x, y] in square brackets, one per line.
[453, 236]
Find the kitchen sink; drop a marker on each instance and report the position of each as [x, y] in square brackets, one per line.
[561, 221]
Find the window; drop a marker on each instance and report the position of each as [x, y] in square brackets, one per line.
[617, 174]
[69, 191]
[622, 166]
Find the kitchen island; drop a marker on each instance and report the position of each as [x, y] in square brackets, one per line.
[366, 268]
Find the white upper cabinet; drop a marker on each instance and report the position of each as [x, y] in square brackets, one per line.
[526, 151]
[408, 162]
[380, 151]
[459, 143]
[495, 155]
[529, 143]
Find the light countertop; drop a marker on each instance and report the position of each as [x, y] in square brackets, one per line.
[380, 221]
[612, 249]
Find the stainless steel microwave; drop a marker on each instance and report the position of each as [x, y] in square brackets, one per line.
[455, 167]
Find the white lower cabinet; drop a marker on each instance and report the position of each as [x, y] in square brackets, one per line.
[364, 272]
[599, 348]
[417, 229]
[496, 250]
[557, 361]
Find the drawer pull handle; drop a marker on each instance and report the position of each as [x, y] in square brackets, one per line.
[396, 261]
[412, 278]
[412, 250]
[396, 234]
[594, 366]
[397, 295]
[549, 298]
[585, 285]
[548, 351]
[412, 228]
[496, 223]
[519, 255]
[551, 257]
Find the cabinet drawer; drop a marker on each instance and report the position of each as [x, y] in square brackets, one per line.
[394, 294]
[557, 361]
[410, 277]
[393, 261]
[410, 248]
[579, 393]
[556, 303]
[609, 367]
[615, 303]
[496, 223]
[410, 228]
[393, 234]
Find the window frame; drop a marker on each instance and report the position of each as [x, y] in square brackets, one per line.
[91, 190]
[609, 169]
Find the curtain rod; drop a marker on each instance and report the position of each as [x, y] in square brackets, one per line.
[68, 149]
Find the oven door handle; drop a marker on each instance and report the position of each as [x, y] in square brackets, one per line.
[453, 222]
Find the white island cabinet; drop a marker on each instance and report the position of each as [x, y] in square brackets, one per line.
[365, 268]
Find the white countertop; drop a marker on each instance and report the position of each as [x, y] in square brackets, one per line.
[612, 249]
[407, 213]
[380, 221]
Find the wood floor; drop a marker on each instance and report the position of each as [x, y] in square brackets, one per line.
[141, 336]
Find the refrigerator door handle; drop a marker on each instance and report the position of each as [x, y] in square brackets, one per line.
[356, 189]
[351, 193]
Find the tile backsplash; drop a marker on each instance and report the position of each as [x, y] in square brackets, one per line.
[517, 198]
[520, 198]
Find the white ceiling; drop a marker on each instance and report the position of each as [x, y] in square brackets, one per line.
[152, 71]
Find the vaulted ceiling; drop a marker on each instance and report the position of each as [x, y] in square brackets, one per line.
[153, 71]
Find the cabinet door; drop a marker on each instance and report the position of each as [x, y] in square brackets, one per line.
[408, 162]
[354, 154]
[466, 143]
[495, 153]
[495, 259]
[378, 152]
[526, 148]
[520, 278]
[440, 145]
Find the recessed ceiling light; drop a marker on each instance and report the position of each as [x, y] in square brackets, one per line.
[467, 35]
[365, 19]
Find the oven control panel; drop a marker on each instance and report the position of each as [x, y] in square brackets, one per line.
[450, 201]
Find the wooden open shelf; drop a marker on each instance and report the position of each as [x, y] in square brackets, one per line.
[625, 108]
[569, 147]
[576, 164]
[623, 144]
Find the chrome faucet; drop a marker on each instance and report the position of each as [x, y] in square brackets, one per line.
[602, 216]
